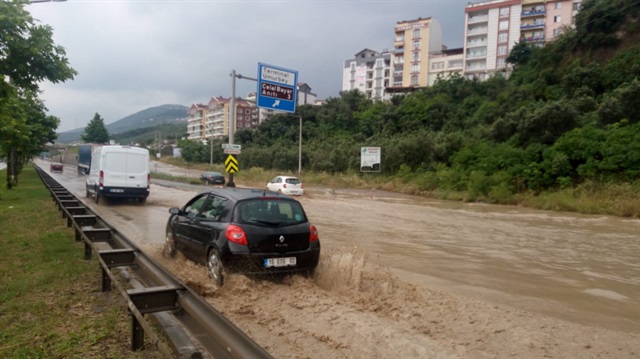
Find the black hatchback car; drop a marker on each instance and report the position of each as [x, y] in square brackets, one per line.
[250, 231]
[212, 178]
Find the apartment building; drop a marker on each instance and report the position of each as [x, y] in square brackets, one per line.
[196, 117]
[561, 14]
[218, 114]
[492, 28]
[368, 72]
[414, 41]
[444, 64]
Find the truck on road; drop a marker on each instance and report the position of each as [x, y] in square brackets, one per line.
[84, 157]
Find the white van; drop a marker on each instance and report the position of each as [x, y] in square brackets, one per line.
[119, 171]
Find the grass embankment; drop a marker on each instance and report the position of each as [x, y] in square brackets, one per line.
[51, 303]
[616, 199]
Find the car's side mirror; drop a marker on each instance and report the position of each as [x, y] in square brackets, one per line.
[174, 210]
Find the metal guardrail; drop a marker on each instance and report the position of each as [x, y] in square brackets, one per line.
[150, 290]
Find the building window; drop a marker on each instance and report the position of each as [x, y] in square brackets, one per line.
[415, 57]
[576, 6]
[557, 32]
[455, 63]
[414, 80]
[437, 65]
[558, 5]
[415, 68]
[503, 37]
[501, 63]
[557, 18]
[503, 25]
[504, 12]
[415, 45]
[502, 50]
[416, 33]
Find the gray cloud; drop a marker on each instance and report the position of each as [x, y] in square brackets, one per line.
[131, 55]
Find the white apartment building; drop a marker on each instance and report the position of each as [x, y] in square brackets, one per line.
[368, 72]
[444, 64]
[196, 117]
[492, 28]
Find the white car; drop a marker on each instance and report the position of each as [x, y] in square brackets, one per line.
[288, 185]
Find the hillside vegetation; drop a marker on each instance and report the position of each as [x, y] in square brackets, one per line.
[141, 127]
[566, 119]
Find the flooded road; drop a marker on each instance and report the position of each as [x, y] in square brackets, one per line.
[580, 268]
[474, 280]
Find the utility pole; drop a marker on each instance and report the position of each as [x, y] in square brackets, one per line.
[232, 114]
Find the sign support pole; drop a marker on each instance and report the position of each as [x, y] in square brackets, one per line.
[232, 119]
[300, 148]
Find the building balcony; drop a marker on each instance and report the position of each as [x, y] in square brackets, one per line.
[398, 50]
[476, 44]
[478, 55]
[532, 13]
[537, 25]
[478, 19]
[539, 38]
[475, 68]
[478, 31]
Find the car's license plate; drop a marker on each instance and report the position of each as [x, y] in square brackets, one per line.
[280, 262]
[117, 190]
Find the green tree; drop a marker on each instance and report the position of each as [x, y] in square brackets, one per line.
[28, 56]
[95, 131]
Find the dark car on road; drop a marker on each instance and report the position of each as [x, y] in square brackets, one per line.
[212, 178]
[255, 232]
[56, 167]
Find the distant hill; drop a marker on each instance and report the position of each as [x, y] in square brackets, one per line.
[151, 117]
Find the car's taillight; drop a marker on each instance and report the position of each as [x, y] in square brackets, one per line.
[148, 179]
[314, 233]
[101, 180]
[301, 185]
[236, 235]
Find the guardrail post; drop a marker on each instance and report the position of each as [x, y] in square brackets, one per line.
[106, 281]
[137, 333]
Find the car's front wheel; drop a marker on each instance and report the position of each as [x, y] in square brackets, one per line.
[214, 267]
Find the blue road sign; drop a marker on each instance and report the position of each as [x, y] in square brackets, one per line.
[277, 88]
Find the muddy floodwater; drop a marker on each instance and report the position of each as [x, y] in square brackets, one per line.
[402, 276]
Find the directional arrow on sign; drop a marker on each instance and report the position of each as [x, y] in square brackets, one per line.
[231, 164]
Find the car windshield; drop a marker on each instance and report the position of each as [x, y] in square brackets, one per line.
[276, 212]
[292, 180]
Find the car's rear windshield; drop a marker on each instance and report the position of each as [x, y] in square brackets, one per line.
[292, 180]
[265, 211]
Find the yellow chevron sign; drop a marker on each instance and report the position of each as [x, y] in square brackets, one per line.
[231, 164]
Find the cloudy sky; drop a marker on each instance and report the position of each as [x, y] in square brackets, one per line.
[135, 54]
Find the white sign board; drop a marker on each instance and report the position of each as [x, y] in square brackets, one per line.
[370, 159]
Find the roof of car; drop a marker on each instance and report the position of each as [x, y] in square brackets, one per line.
[245, 193]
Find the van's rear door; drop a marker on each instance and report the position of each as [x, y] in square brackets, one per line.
[137, 169]
[125, 167]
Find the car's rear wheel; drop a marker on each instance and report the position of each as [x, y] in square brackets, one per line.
[169, 244]
[142, 200]
[97, 196]
[214, 267]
